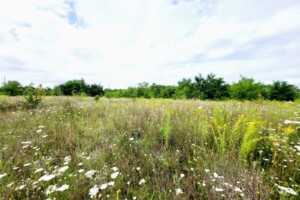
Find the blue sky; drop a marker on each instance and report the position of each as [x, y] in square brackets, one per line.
[121, 43]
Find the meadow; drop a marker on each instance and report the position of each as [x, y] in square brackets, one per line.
[79, 148]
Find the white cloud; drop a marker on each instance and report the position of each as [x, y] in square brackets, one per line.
[162, 41]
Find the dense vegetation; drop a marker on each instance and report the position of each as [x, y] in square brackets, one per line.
[204, 88]
[78, 148]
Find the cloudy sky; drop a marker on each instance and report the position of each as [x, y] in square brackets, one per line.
[121, 43]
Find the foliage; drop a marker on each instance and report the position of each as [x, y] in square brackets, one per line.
[79, 87]
[12, 88]
[210, 87]
[247, 89]
[33, 96]
[282, 91]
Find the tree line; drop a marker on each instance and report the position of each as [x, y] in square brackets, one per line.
[200, 87]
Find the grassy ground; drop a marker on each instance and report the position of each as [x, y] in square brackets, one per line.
[76, 148]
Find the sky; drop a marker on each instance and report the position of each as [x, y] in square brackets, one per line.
[121, 43]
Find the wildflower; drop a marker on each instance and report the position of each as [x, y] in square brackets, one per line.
[3, 175]
[178, 191]
[27, 164]
[111, 183]
[114, 169]
[63, 169]
[236, 189]
[131, 138]
[38, 170]
[182, 175]
[287, 190]
[90, 173]
[47, 177]
[10, 184]
[50, 189]
[291, 122]
[81, 170]
[26, 146]
[41, 127]
[93, 191]
[297, 147]
[80, 164]
[103, 186]
[206, 170]
[67, 158]
[114, 175]
[216, 175]
[39, 131]
[21, 187]
[26, 142]
[219, 189]
[142, 181]
[63, 188]
[44, 136]
[138, 168]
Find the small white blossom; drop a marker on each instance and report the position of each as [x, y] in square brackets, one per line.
[81, 170]
[21, 187]
[47, 177]
[287, 190]
[63, 188]
[103, 186]
[114, 175]
[3, 175]
[111, 183]
[63, 169]
[93, 191]
[219, 189]
[39, 131]
[178, 191]
[138, 168]
[38, 170]
[215, 175]
[90, 173]
[114, 169]
[26, 142]
[27, 164]
[182, 175]
[236, 189]
[142, 181]
[50, 189]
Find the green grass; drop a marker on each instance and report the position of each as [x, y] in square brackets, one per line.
[149, 149]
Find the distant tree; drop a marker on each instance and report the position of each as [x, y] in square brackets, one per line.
[185, 89]
[247, 89]
[12, 88]
[210, 87]
[57, 91]
[74, 87]
[282, 91]
[95, 89]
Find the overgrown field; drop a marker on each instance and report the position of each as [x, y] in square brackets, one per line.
[76, 148]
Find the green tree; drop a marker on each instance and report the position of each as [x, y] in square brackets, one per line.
[74, 87]
[247, 89]
[12, 88]
[282, 91]
[210, 87]
[57, 91]
[94, 90]
[185, 89]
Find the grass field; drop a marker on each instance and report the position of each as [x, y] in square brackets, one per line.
[76, 148]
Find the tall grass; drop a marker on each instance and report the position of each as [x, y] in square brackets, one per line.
[149, 149]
